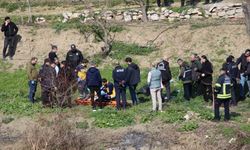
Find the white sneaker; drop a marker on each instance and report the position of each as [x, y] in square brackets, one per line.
[94, 110]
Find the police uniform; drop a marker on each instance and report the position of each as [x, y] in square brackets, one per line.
[223, 96]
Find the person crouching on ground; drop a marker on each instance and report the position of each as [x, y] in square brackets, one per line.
[32, 76]
[223, 95]
[107, 90]
[155, 85]
[186, 76]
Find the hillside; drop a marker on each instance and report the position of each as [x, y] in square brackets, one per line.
[181, 125]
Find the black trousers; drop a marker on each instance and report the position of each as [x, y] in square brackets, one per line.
[162, 3]
[120, 94]
[217, 105]
[9, 42]
[94, 89]
[207, 92]
[48, 97]
[187, 90]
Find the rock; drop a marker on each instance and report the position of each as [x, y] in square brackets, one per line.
[64, 20]
[187, 16]
[162, 17]
[118, 17]
[230, 12]
[166, 14]
[127, 18]
[222, 14]
[212, 9]
[75, 15]
[239, 15]
[190, 115]
[155, 17]
[232, 140]
[174, 15]
[239, 10]
[215, 16]
[67, 15]
[171, 19]
[196, 17]
[170, 11]
[163, 9]
[40, 20]
[182, 17]
[109, 17]
[135, 17]
[237, 5]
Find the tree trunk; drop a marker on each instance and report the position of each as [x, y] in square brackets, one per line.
[246, 10]
[143, 6]
[30, 15]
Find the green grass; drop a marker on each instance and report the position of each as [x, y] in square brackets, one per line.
[120, 50]
[188, 126]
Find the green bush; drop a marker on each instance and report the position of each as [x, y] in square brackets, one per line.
[110, 118]
[188, 126]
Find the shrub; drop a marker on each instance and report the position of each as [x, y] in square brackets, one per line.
[110, 118]
[58, 135]
[188, 126]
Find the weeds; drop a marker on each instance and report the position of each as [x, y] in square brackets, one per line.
[82, 125]
[188, 126]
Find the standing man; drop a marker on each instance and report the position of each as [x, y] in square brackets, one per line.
[196, 68]
[242, 60]
[155, 84]
[10, 31]
[94, 83]
[206, 78]
[223, 95]
[47, 77]
[32, 76]
[232, 71]
[53, 53]
[163, 66]
[133, 78]
[186, 76]
[247, 74]
[119, 77]
[74, 57]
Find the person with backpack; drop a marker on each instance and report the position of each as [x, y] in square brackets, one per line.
[206, 78]
[233, 72]
[186, 76]
[242, 60]
[155, 85]
[163, 66]
[94, 83]
[133, 78]
[119, 77]
[196, 68]
[222, 95]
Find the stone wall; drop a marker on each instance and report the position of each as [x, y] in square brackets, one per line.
[217, 10]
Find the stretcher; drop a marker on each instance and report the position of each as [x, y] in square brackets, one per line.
[87, 102]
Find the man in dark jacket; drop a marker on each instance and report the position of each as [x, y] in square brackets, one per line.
[10, 31]
[232, 71]
[247, 73]
[133, 78]
[206, 78]
[74, 57]
[242, 60]
[94, 83]
[47, 78]
[163, 66]
[185, 75]
[223, 95]
[196, 68]
[53, 53]
[119, 77]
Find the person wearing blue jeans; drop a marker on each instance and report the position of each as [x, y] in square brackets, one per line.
[32, 76]
[242, 60]
[132, 78]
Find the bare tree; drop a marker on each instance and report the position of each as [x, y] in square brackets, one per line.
[246, 10]
[144, 8]
[29, 9]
